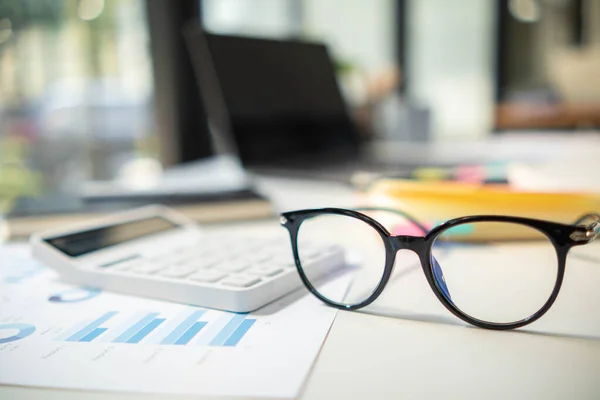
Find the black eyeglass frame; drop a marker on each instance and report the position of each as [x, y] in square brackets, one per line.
[563, 238]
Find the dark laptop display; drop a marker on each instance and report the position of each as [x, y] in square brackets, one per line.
[281, 98]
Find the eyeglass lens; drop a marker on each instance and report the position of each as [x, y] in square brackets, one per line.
[363, 246]
[496, 271]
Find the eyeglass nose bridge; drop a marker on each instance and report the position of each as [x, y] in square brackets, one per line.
[404, 242]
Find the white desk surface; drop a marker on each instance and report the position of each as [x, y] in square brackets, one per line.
[389, 352]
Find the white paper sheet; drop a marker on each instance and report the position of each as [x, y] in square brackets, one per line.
[55, 335]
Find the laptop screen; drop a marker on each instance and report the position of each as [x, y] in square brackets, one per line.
[282, 98]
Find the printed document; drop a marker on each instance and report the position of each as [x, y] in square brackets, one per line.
[61, 336]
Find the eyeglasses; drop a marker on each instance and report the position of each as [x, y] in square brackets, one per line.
[494, 272]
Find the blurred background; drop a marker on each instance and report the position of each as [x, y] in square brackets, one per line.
[86, 86]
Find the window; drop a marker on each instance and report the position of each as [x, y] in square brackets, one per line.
[76, 92]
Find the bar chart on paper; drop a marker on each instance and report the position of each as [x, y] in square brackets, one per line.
[112, 342]
[189, 327]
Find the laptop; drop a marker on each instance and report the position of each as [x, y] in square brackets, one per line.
[277, 105]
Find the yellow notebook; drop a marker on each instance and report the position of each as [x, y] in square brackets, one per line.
[436, 202]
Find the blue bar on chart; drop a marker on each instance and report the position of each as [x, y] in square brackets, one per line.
[145, 331]
[135, 328]
[213, 329]
[91, 327]
[239, 333]
[183, 327]
[167, 328]
[93, 334]
[190, 333]
[70, 332]
[222, 336]
[119, 329]
[226, 330]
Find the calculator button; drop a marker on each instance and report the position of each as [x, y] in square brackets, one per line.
[241, 280]
[237, 252]
[199, 265]
[125, 265]
[311, 253]
[207, 275]
[235, 266]
[286, 261]
[250, 259]
[167, 264]
[181, 259]
[178, 271]
[265, 270]
[148, 267]
[261, 257]
[163, 258]
[205, 262]
[282, 251]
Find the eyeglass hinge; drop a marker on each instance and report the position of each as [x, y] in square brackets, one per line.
[587, 235]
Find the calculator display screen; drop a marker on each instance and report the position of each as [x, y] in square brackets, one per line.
[80, 243]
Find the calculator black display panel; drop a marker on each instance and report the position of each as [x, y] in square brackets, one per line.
[85, 242]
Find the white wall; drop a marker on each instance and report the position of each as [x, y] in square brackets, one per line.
[357, 31]
[450, 56]
[252, 17]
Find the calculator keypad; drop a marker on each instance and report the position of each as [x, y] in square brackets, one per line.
[265, 270]
[215, 263]
[208, 276]
[241, 280]
[233, 274]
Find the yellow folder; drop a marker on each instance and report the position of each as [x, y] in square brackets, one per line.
[436, 202]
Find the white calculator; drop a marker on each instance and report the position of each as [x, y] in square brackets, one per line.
[156, 252]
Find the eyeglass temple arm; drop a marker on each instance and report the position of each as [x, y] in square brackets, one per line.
[588, 228]
[395, 211]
